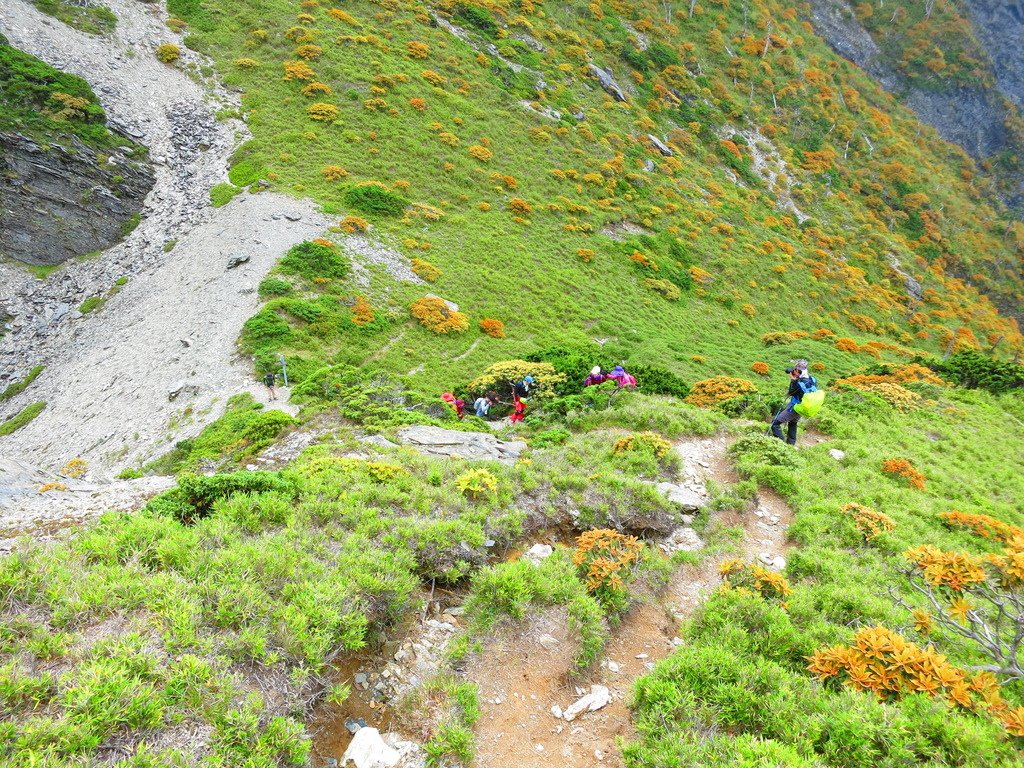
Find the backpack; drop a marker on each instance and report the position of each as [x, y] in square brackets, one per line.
[808, 385]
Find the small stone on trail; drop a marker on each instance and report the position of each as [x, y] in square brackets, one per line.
[836, 454]
[237, 261]
[548, 642]
[613, 666]
[353, 724]
[681, 540]
[641, 656]
[556, 711]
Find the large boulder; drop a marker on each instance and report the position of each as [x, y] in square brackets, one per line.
[437, 441]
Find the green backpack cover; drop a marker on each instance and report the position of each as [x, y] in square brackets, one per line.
[811, 403]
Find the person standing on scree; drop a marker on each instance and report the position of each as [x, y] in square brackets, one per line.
[268, 382]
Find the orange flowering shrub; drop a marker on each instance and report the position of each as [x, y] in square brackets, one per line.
[869, 522]
[483, 154]
[484, 206]
[713, 392]
[435, 315]
[353, 224]
[953, 570]
[884, 662]
[493, 328]
[639, 441]
[309, 51]
[782, 337]
[322, 111]
[903, 468]
[751, 578]
[586, 255]
[641, 259]
[604, 559]
[900, 398]
[362, 312]
[426, 270]
[418, 50]
[317, 89]
[520, 206]
[731, 147]
[760, 368]
[246, 63]
[418, 104]
[987, 527]
[845, 344]
[341, 15]
[433, 77]
[298, 70]
[333, 172]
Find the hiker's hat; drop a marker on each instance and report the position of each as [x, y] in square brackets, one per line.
[448, 397]
[595, 370]
[618, 370]
[528, 379]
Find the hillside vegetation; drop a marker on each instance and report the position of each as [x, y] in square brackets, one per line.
[791, 193]
[736, 198]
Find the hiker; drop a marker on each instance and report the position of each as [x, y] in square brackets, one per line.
[595, 377]
[268, 382]
[800, 384]
[456, 403]
[621, 378]
[482, 405]
[521, 389]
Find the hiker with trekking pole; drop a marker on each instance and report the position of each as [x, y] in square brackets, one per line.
[805, 399]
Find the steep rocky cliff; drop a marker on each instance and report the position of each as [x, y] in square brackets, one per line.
[69, 184]
[961, 69]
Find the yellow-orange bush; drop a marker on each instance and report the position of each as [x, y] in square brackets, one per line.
[353, 224]
[317, 89]
[74, 468]
[298, 70]
[954, 570]
[753, 579]
[435, 315]
[333, 172]
[586, 255]
[903, 468]
[760, 368]
[884, 662]
[782, 337]
[869, 522]
[309, 51]
[362, 312]
[481, 153]
[418, 104]
[493, 328]
[418, 50]
[846, 344]
[426, 270]
[322, 111]
[246, 63]
[986, 526]
[433, 77]
[604, 559]
[641, 440]
[712, 392]
[520, 206]
[341, 15]
[168, 53]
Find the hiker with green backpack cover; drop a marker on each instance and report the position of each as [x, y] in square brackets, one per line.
[805, 399]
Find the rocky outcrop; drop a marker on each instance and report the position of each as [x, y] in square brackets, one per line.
[972, 116]
[59, 202]
[436, 441]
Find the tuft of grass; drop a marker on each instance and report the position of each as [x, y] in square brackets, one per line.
[15, 389]
[22, 417]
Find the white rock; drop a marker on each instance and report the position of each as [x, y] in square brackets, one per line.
[681, 540]
[368, 750]
[538, 552]
[613, 667]
[548, 642]
[598, 698]
[556, 711]
[836, 454]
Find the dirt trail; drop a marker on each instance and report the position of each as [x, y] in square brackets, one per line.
[525, 671]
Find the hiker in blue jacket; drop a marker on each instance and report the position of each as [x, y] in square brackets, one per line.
[800, 383]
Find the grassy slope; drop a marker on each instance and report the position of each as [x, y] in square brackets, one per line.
[528, 274]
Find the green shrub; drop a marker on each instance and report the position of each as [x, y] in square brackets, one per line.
[977, 371]
[375, 200]
[91, 304]
[15, 389]
[475, 16]
[195, 495]
[265, 329]
[21, 418]
[222, 194]
[312, 260]
[274, 286]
